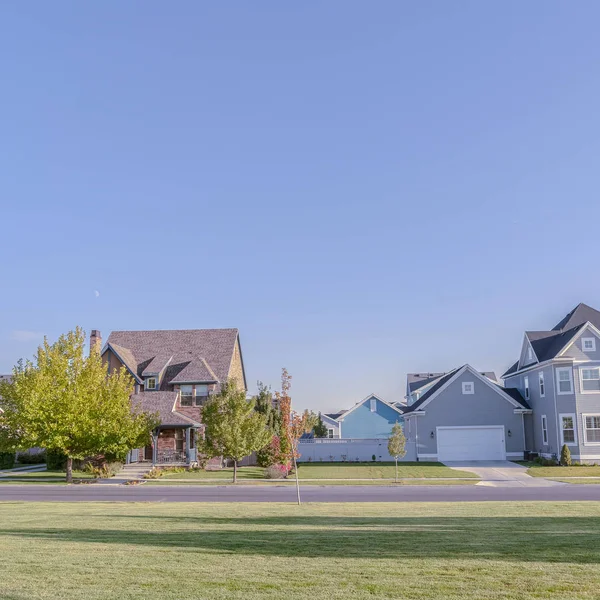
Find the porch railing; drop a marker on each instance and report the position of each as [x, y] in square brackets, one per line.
[171, 456]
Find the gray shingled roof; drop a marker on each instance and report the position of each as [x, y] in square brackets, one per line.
[197, 371]
[214, 347]
[547, 344]
[162, 403]
[157, 364]
[416, 381]
[335, 416]
[434, 388]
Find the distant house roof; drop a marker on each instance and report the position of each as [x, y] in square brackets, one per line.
[7, 378]
[162, 403]
[548, 344]
[188, 354]
[334, 416]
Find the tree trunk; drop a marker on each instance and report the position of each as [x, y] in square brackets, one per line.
[69, 470]
[235, 471]
[396, 468]
[297, 480]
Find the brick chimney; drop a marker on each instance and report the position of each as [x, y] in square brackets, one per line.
[95, 340]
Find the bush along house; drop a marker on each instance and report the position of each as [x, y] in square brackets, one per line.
[175, 372]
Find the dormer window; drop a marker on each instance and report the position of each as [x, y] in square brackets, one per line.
[468, 387]
[373, 405]
[200, 394]
[151, 383]
[530, 354]
[588, 344]
[186, 395]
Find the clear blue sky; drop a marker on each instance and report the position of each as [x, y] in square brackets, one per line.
[364, 189]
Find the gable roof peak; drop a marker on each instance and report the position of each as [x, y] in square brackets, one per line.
[581, 314]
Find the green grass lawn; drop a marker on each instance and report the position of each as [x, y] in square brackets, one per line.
[336, 471]
[43, 477]
[472, 551]
[579, 471]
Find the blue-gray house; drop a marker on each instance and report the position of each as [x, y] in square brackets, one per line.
[370, 418]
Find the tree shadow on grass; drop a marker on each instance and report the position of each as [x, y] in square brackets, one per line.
[550, 539]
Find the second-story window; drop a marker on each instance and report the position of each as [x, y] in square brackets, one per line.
[542, 385]
[564, 380]
[186, 392]
[201, 394]
[526, 385]
[151, 383]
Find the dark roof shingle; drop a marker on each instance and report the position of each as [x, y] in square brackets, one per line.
[211, 350]
[162, 403]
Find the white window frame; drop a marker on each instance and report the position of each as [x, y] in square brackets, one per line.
[585, 440]
[373, 404]
[562, 437]
[330, 433]
[542, 385]
[581, 380]
[569, 370]
[544, 430]
[526, 387]
[530, 354]
[466, 390]
[148, 383]
[588, 339]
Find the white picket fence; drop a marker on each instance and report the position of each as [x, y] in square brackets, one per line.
[350, 450]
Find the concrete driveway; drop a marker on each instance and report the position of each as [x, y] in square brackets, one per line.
[502, 473]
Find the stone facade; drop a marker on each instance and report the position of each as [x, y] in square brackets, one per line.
[236, 370]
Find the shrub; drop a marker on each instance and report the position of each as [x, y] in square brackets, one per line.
[565, 456]
[104, 471]
[32, 459]
[373, 458]
[276, 472]
[55, 461]
[154, 473]
[7, 460]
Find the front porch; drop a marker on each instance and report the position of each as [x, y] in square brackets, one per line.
[170, 446]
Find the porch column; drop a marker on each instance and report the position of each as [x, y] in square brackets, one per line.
[187, 444]
[154, 446]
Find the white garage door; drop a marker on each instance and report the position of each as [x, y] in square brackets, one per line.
[471, 443]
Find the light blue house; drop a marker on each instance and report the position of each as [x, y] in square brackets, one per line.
[370, 418]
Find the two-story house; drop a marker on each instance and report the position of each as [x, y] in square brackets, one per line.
[558, 373]
[174, 373]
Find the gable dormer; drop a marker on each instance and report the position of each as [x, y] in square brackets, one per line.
[584, 345]
[528, 355]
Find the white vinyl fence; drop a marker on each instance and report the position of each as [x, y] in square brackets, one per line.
[351, 450]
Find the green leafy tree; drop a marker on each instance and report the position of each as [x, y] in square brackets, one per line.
[320, 429]
[565, 456]
[397, 444]
[264, 405]
[232, 427]
[66, 402]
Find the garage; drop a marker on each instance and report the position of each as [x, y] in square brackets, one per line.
[471, 443]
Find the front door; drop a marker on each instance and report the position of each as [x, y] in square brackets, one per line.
[148, 452]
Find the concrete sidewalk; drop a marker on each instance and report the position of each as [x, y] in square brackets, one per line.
[502, 473]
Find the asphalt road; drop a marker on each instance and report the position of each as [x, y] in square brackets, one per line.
[104, 493]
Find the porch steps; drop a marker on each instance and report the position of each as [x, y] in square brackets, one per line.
[133, 471]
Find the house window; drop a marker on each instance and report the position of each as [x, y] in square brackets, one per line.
[373, 405]
[151, 383]
[330, 433]
[544, 430]
[201, 394]
[186, 395]
[588, 344]
[468, 387]
[591, 429]
[179, 439]
[564, 380]
[526, 385]
[590, 380]
[542, 385]
[530, 354]
[568, 434]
